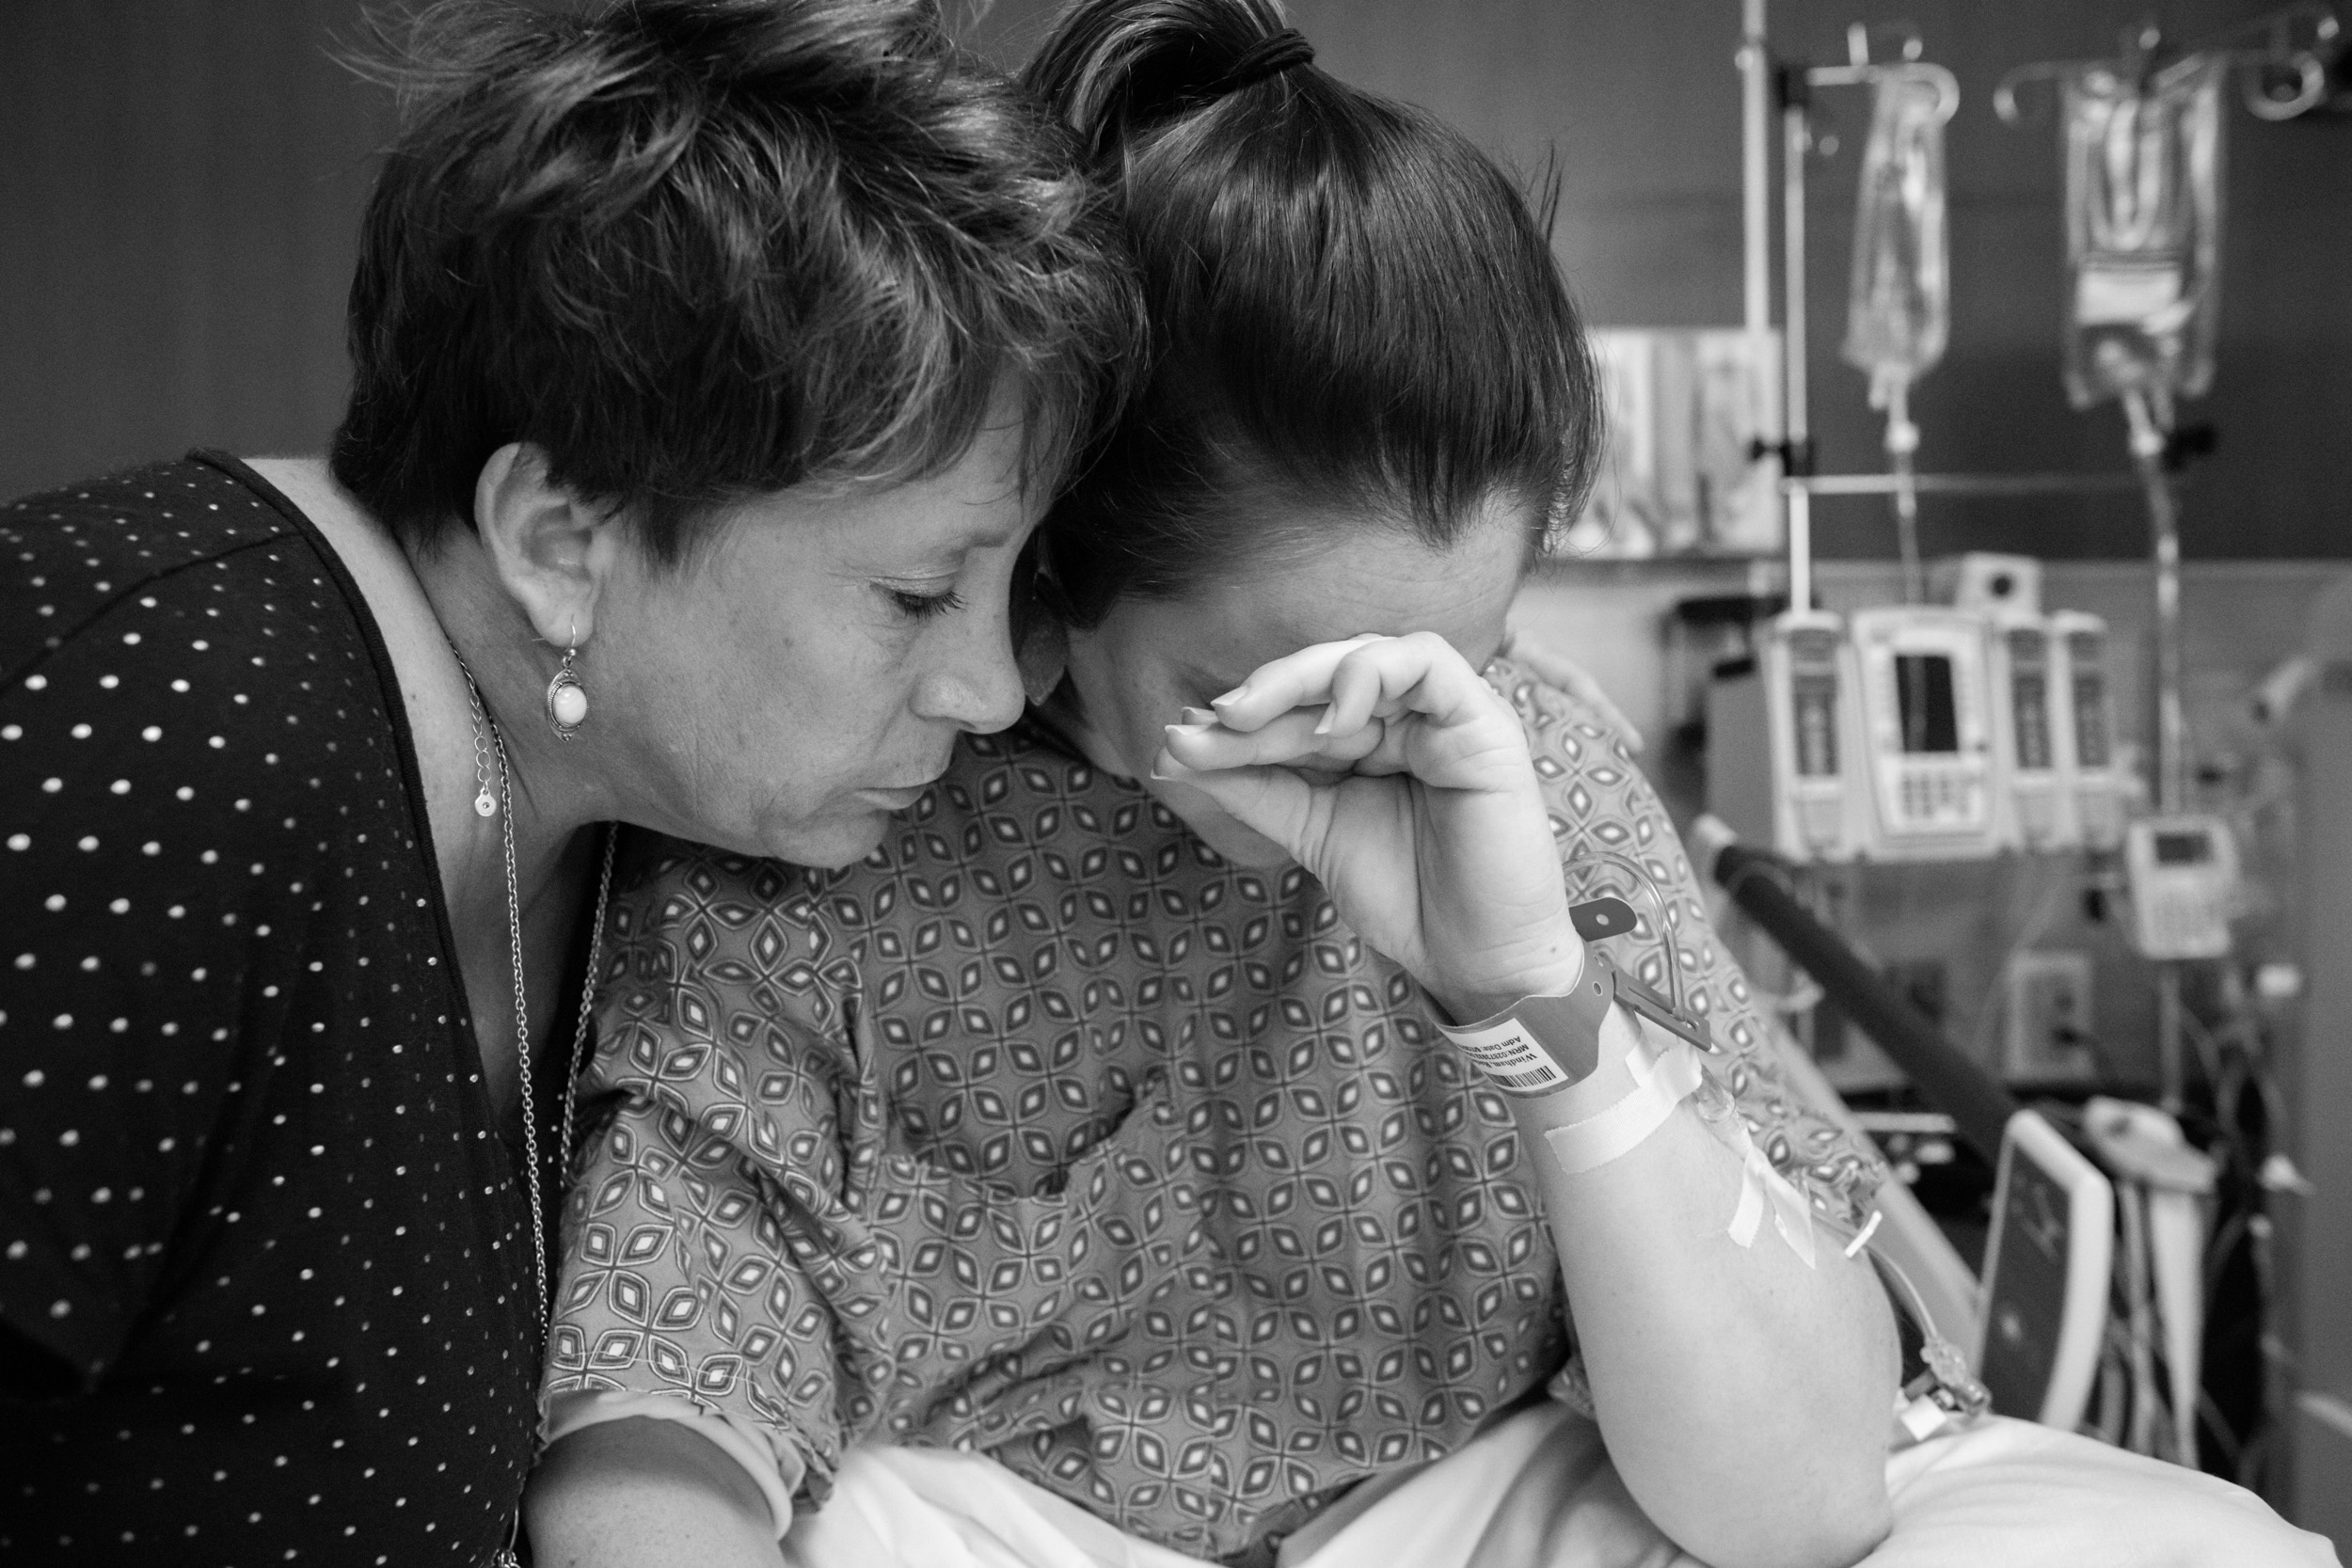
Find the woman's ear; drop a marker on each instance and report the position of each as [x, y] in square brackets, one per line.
[551, 549]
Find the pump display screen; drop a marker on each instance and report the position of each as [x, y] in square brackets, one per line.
[1925, 704]
[2091, 721]
[2030, 694]
[1814, 702]
[2182, 848]
[2086, 652]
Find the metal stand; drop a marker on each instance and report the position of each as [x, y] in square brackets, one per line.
[1792, 84]
[1796, 129]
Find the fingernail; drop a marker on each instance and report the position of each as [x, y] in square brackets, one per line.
[1323, 725]
[1233, 696]
[1199, 716]
[1168, 770]
[1189, 730]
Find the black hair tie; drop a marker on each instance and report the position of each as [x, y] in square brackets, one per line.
[1269, 57]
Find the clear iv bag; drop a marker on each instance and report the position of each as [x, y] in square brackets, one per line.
[2143, 228]
[1898, 302]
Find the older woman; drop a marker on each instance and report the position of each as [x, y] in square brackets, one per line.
[711, 363]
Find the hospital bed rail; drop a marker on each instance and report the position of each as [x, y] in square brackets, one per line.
[2033, 1326]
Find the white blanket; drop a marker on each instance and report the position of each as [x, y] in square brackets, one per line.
[1538, 1491]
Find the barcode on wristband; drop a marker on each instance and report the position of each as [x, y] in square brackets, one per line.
[1510, 1058]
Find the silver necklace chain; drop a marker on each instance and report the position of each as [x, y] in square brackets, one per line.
[504, 806]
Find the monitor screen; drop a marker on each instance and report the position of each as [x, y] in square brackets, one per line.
[2190, 849]
[1923, 695]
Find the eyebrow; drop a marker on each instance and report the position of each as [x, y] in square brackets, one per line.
[994, 539]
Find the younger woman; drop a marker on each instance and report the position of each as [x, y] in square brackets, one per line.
[1098, 1123]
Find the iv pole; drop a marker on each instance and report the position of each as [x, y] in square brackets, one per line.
[2157, 447]
[1792, 84]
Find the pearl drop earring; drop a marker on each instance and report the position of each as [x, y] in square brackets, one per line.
[568, 700]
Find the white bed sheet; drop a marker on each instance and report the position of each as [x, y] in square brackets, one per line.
[1538, 1492]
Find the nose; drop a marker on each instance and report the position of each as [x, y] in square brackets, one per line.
[975, 684]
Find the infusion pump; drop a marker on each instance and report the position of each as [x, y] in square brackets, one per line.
[1917, 732]
[1927, 761]
[2026, 674]
[1780, 741]
[2084, 721]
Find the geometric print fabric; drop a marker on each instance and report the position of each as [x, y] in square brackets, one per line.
[1045, 1132]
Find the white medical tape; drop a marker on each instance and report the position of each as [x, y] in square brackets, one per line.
[1661, 1081]
[1760, 1185]
[1763, 1187]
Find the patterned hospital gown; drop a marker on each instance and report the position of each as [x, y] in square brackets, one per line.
[1047, 1132]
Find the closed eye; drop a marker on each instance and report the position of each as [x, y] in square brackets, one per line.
[922, 606]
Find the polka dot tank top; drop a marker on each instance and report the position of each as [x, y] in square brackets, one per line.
[265, 1290]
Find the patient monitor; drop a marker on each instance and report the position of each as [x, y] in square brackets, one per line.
[2048, 1263]
[1927, 764]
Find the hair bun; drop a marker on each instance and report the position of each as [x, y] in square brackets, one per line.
[1269, 57]
[1115, 67]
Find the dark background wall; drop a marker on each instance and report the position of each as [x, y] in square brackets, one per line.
[180, 180]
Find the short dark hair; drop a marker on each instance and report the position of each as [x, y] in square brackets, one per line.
[694, 250]
[1348, 302]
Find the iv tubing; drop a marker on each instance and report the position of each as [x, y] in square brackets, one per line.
[1902, 440]
[2171, 771]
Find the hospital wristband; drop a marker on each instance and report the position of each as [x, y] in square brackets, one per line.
[1540, 1045]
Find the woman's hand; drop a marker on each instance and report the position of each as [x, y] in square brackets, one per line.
[1387, 767]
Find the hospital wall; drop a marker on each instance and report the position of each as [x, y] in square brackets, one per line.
[1636, 104]
[180, 180]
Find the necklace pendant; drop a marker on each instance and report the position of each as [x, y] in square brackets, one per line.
[484, 804]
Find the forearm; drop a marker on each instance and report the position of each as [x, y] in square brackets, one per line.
[646, 1494]
[1745, 1396]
